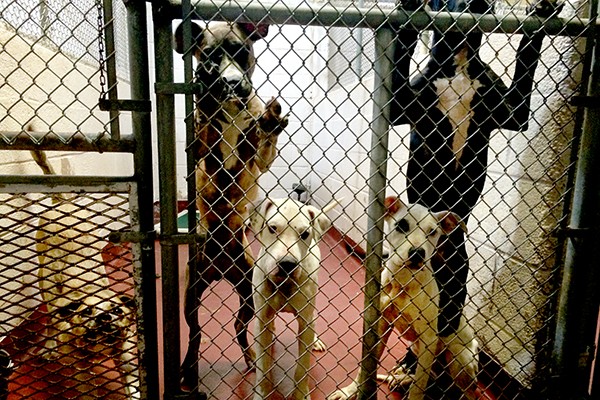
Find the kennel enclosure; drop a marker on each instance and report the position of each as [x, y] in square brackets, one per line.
[532, 285]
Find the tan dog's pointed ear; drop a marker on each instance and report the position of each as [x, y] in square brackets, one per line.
[392, 205]
[449, 221]
[196, 38]
[254, 31]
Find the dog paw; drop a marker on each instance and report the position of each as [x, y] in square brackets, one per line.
[341, 394]
[250, 359]
[546, 8]
[398, 380]
[272, 122]
[318, 345]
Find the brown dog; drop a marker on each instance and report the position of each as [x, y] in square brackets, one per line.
[236, 139]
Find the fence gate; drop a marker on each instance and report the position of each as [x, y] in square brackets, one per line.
[483, 108]
[77, 275]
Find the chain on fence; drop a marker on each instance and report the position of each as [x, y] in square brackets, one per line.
[281, 163]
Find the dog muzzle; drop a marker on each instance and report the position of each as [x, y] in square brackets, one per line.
[416, 258]
[104, 330]
[285, 270]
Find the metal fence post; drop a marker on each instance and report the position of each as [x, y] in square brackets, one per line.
[382, 95]
[165, 117]
[574, 342]
[145, 278]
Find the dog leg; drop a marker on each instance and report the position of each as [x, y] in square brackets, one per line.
[193, 294]
[406, 41]
[270, 125]
[463, 361]
[264, 333]
[528, 55]
[129, 372]
[245, 314]
[306, 341]
[425, 346]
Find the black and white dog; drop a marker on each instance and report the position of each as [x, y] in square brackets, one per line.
[452, 107]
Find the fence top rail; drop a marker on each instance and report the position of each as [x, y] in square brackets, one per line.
[374, 17]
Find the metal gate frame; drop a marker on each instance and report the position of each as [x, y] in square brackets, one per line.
[575, 327]
[139, 186]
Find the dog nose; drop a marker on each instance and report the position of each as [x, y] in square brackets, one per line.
[416, 255]
[103, 318]
[286, 267]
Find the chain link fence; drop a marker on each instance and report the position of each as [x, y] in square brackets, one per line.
[472, 114]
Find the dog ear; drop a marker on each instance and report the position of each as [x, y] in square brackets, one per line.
[392, 205]
[319, 221]
[257, 215]
[449, 221]
[178, 38]
[254, 31]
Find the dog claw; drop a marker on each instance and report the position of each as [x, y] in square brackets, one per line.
[319, 345]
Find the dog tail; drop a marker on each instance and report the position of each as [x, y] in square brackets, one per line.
[41, 160]
[332, 204]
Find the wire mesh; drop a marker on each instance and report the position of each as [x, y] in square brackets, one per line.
[50, 66]
[68, 310]
[463, 138]
[506, 288]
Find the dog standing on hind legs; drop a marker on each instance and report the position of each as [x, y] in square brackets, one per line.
[452, 106]
[410, 301]
[236, 138]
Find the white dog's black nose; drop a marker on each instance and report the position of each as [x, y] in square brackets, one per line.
[416, 255]
[286, 267]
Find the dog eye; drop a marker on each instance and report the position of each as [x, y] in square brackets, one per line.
[403, 226]
[305, 235]
[272, 229]
[432, 232]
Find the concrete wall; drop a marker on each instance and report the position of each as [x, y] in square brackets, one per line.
[512, 247]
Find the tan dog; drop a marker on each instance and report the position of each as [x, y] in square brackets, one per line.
[285, 280]
[89, 322]
[410, 298]
[236, 137]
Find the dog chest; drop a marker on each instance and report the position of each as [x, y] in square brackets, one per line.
[455, 95]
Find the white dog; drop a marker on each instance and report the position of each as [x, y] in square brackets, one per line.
[88, 321]
[409, 302]
[285, 279]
